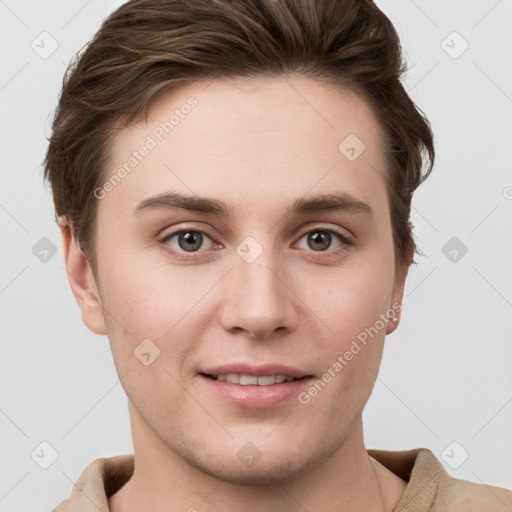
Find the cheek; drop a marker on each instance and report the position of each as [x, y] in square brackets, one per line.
[152, 302]
[350, 350]
[351, 299]
[350, 304]
[146, 296]
[150, 337]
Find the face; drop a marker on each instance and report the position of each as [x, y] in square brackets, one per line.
[254, 273]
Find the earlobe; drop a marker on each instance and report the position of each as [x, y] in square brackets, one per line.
[81, 280]
[393, 323]
[398, 293]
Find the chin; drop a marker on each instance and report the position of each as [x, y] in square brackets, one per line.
[262, 463]
[264, 472]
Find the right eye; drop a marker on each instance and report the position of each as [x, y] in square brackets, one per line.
[184, 241]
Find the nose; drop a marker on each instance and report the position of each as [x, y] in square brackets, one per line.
[258, 298]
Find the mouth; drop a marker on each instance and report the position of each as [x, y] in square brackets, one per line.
[254, 380]
[249, 386]
[255, 391]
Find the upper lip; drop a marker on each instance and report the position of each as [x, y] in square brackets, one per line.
[249, 369]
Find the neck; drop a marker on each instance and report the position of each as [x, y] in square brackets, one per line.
[347, 480]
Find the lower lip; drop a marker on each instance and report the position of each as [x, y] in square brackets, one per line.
[256, 397]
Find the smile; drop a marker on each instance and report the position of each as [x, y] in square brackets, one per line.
[252, 380]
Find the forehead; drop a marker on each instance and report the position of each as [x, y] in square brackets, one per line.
[252, 140]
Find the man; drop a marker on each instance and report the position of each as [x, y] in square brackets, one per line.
[275, 138]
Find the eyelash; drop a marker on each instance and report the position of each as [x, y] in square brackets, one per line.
[164, 241]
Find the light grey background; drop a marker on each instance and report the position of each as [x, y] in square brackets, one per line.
[446, 374]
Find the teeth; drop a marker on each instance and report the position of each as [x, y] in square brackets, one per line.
[245, 380]
[267, 380]
[248, 380]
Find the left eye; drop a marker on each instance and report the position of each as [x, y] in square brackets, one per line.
[320, 239]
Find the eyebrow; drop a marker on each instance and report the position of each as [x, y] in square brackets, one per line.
[324, 202]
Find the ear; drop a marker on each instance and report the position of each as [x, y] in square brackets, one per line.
[398, 289]
[81, 280]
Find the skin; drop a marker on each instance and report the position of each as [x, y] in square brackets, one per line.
[256, 145]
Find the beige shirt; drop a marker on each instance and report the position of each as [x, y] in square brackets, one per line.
[429, 487]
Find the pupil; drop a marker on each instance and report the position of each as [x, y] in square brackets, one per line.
[318, 236]
[189, 237]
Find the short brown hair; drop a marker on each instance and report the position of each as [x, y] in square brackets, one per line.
[148, 47]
